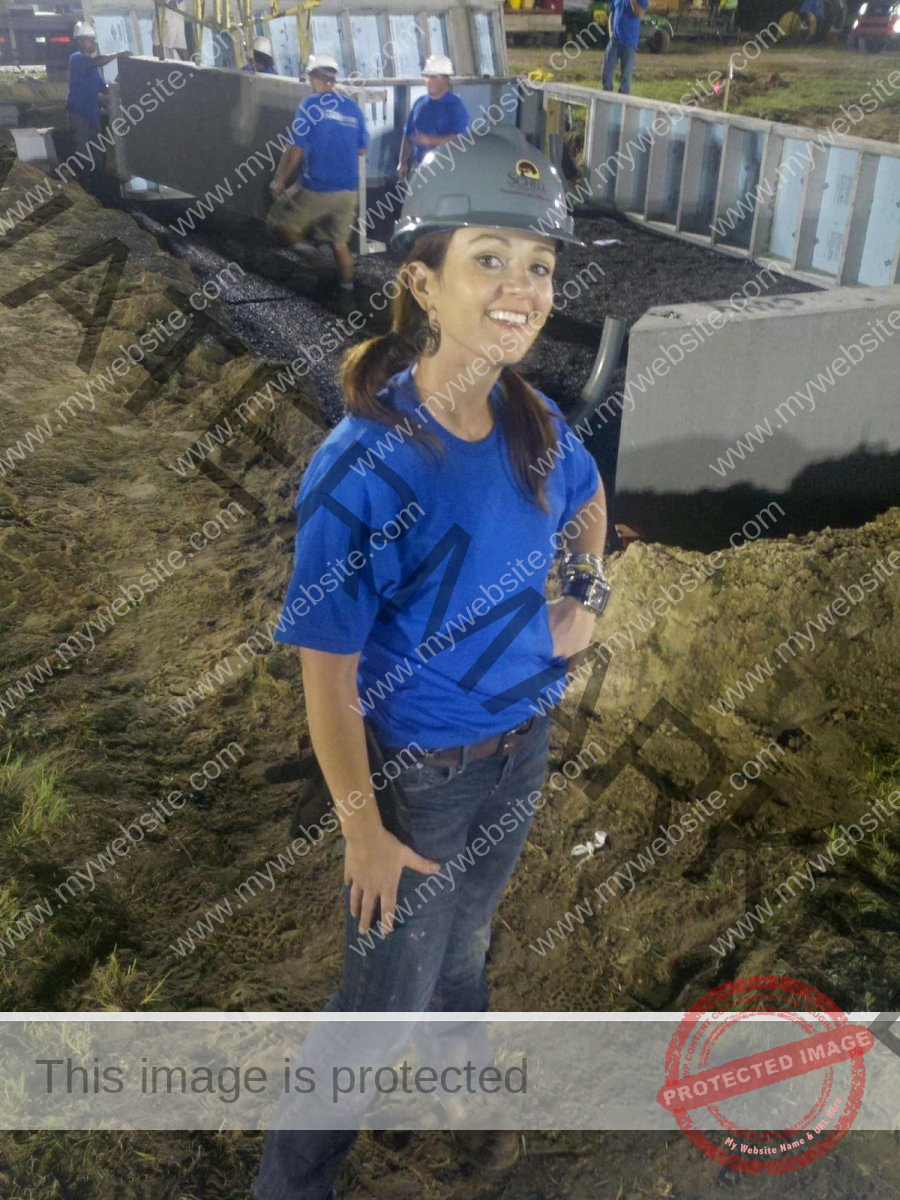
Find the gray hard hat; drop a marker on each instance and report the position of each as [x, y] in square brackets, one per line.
[500, 181]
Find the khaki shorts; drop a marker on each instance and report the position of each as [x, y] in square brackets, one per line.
[298, 213]
[173, 35]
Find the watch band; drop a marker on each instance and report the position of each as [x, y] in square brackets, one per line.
[582, 561]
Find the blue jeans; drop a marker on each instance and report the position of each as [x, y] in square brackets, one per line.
[434, 961]
[618, 52]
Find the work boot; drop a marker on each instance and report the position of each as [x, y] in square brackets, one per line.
[489, 1149]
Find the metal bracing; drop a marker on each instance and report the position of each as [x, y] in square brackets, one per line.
[824, 206]
[303, 13]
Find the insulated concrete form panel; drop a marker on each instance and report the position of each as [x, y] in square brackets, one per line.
[825, 206]
[834, 206]
[199, 136]
[738, 177]
[879, 263]
[116, 34]
[770, 363]
[332, 31]
[703, 156]
[788, 205]
[213, 132]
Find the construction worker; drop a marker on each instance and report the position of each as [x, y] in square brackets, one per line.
[465, 736]
[812, 11]
[433, 119]
[86, 85]
[624, 35]
[171, 40]
[263, 58]
[329, 134]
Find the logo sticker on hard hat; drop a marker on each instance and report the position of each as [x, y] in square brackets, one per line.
[527, 168]
[525, 176]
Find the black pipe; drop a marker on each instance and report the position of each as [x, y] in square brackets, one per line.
[605, 364]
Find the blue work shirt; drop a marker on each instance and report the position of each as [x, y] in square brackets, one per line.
[624, 23]
[450, 549]
[330, 130]
[438, 118]
[85, 85]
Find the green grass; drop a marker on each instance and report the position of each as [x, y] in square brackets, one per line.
[113, 987]
[71, 957]
[29, 800]
[804, 86]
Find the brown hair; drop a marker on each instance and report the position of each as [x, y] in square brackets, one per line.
[524, 419]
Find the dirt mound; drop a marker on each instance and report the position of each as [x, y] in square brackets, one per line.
[840, 664]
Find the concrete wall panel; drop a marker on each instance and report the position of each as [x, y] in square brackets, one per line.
[198, 138]
[774, 368]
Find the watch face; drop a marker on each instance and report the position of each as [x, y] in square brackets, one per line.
[592, 592]
[600, 599]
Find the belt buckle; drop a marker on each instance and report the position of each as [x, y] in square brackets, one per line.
[510, 738]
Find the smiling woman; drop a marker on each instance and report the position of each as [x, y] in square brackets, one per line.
[474, 290]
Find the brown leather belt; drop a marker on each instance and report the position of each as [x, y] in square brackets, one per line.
[498, 743]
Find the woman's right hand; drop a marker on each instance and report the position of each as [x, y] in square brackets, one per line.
[372, 869]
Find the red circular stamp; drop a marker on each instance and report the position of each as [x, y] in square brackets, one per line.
[785, 1092]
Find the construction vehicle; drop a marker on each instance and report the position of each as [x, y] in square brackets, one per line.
[876, 25]
[553, 21]
[35, 37]
[812, 20]
[697, 20]
[534, 22]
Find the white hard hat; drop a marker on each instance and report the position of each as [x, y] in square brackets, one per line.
[438, 64]
[321, 62]
[84, 29]
[262, 45]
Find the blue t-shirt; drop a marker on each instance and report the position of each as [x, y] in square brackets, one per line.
[330, 130]
[434, 570]
[625, 24]
[85, 85]
[436, 117]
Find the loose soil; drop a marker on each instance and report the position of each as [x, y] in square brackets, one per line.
[92, 506]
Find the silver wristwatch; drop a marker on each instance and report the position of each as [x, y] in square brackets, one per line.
[583, 577]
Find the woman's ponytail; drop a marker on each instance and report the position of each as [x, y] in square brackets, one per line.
[366, 369]
[528, 429]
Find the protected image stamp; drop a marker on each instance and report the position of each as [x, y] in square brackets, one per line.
[807, 1066]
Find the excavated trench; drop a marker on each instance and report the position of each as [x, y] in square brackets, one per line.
[280, 306]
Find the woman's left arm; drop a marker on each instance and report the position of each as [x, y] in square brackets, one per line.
[571, 624]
